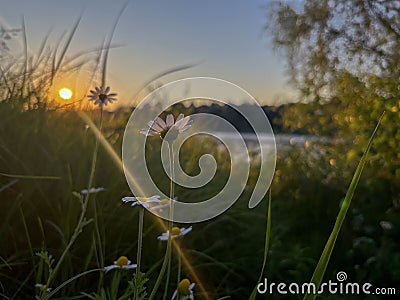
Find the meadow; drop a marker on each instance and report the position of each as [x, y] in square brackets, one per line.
[48, 153]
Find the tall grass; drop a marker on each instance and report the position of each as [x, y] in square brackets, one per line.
[50, 234]
[330, 244]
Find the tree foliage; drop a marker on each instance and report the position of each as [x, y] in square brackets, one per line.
[343, 58]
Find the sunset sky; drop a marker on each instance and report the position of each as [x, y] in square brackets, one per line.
[224, 38]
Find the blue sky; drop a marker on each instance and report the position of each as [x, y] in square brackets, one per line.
[225, 37]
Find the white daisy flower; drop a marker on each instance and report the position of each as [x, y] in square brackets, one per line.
[160, 127]
[143, 201]
[92, 190]
[184, 290]
[176, 232]
[42, 287]
[386, 225]
[101, 96]
[121, 263]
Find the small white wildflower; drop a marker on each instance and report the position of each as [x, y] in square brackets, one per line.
[143, 201]
[101, 96]
[386, 225]
[161, 128]
[42, 287]
[121, 263]
[92, 190]
[175, 232]
[184, 290]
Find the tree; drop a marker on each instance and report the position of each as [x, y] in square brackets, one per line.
[343, 57]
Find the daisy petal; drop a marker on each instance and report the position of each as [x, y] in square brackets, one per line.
[161, 122]
[186, 230]
[163, 237]
[154, 126]
[128, 199]
[183, 122]
[153, 133]
[144, 131]
[180, 117]
[130, 266]
[170, 120]
[109, 268]
[148, 132]
[184, 128]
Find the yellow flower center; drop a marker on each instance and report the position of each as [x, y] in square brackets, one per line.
[175, 231]
[183, 287]
[122, 261]
[142, 199]
[164, 201]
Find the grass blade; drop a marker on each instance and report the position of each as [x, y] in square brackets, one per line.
[25, 66]
[6, 186]
[108, 45]
[160, 75]
[330, 244]
[49, 295]
[30, 176]
[266, 247]
[64, 50]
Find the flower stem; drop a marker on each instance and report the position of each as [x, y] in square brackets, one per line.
[140, 241]
[168, 272]
[82, 222]
[96, 219]
[171, 212]
[167, 256]
[162, 271]
[178, 249]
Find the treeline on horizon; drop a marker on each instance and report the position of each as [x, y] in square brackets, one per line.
[275, 115]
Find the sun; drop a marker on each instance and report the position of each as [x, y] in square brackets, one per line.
[65, 93]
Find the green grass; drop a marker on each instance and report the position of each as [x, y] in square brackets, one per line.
[39, 212]
[47, 156]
